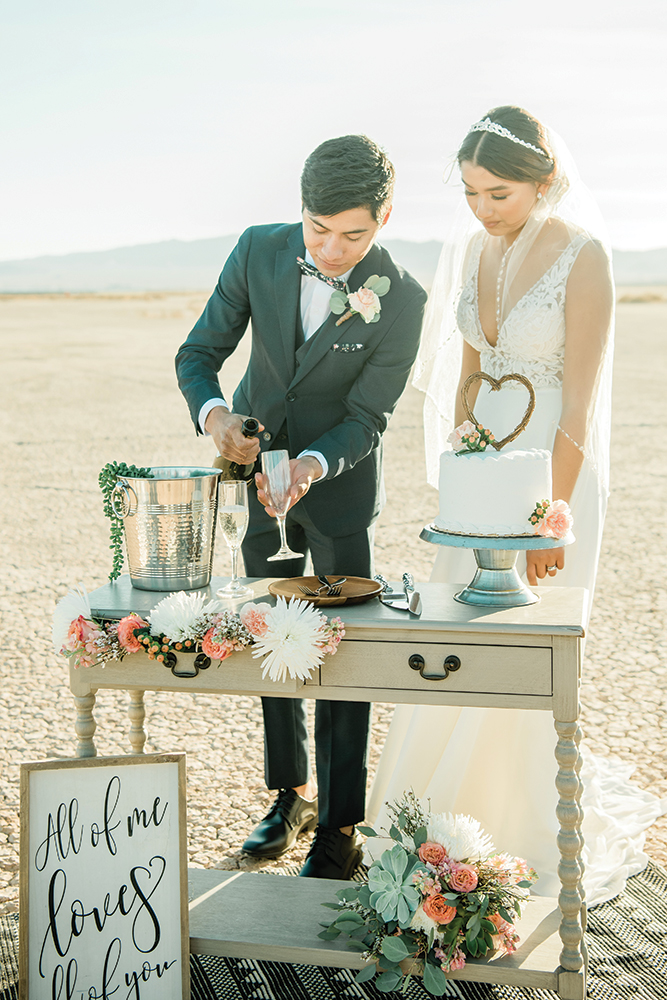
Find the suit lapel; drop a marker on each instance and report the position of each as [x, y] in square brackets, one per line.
[328, 334]
[287, 286]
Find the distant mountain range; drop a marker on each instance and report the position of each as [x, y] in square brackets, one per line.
[179, 265]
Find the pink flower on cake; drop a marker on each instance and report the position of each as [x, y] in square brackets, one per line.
[463, 878]
[253, 617]
[126, 636]
[457, 435]
[365, 302]
[557, 520]
[216, 650]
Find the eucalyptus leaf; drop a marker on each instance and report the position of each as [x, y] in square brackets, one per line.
[420, 836]
[375, 319]
[355, 945]
[349, 926]
[333, 906]
[395, 833]
[338, 302]
[371, 282]
[329, 935]
[435, 981]
[387, 981]
[382, 285]
[348, 894]
[367, 831]
[395, 949]
[365, 974]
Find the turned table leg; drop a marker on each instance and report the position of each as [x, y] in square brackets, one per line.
[137, 714]
[85, 724]
[570, 869]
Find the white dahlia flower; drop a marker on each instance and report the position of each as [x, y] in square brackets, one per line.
[74, 603]
[461, 836]
[179, 615]
[290, 640]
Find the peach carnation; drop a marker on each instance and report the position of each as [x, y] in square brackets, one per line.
[126, 636]
[253, 617]
[216, 650]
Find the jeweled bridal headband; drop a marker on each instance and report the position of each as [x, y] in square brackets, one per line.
[488, 126]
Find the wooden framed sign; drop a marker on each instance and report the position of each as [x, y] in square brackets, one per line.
[103, 879]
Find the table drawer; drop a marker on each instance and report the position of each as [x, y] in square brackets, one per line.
[440, 666]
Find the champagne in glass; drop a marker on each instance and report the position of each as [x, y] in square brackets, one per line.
[233, 521]
[275, 467]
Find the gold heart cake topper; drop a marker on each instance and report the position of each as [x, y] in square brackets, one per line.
[496, 384]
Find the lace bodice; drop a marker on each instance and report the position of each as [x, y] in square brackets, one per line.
[531, 340]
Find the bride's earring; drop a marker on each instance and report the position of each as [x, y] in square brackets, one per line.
[539, 196]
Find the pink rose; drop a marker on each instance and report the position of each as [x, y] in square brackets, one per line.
[458, 434]
[81, 631]
[216, 650]
[556, 522]
[437, 908]
[253, 617]
[126, 636]
[365, 302]
[463, 878]
[432, 854]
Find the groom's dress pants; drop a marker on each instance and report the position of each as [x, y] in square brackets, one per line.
[341, 727]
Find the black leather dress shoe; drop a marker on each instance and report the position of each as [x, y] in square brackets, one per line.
[332, 854]
[289, 816]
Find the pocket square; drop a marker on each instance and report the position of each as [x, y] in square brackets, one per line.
[347, 348]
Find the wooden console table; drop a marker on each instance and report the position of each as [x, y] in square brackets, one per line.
[535, 663]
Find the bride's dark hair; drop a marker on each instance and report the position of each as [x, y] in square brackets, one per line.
[505, 158]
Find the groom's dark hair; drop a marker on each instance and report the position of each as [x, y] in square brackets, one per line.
[349, 172]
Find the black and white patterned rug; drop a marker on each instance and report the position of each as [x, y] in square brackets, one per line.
[627, 943]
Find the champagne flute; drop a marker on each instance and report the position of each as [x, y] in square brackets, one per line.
[233, 521]
[275, 467]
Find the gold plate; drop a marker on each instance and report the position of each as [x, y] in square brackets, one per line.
[356, 590]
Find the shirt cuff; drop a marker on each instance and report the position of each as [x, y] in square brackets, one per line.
[206, 409]
[321, 459]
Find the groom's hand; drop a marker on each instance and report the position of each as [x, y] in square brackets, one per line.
[302, 473]
[225, 429]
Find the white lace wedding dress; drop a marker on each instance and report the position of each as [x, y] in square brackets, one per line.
[498, 765]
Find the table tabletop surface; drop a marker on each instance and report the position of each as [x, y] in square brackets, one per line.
[561, 610]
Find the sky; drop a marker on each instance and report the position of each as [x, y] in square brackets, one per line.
[136, 121]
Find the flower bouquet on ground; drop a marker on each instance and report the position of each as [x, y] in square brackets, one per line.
[438, 896]
[293, 637]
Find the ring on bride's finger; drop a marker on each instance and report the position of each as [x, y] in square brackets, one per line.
[549, 568]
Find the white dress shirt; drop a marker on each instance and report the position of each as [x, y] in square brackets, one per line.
[314, 301]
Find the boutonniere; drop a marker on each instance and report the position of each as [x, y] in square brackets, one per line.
[365, 301]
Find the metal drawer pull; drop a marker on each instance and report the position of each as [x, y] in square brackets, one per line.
[417, 662]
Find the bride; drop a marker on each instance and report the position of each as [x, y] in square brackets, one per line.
[523, 286]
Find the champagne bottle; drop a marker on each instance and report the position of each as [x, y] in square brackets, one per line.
[232, 470]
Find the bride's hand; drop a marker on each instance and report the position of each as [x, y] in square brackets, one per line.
[543, 562]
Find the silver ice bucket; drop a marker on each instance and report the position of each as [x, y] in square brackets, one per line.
[169, 525]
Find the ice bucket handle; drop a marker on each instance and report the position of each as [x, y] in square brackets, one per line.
[122, 490]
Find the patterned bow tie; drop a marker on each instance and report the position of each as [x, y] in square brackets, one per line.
[312, 272]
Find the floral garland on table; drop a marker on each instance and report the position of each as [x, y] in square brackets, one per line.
[438, 896]
[293, 637]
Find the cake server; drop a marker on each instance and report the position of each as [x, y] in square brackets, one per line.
[414, 605]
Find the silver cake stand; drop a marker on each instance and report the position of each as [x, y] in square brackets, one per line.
[496, 582]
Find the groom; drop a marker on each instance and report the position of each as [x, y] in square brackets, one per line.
[324, 392]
